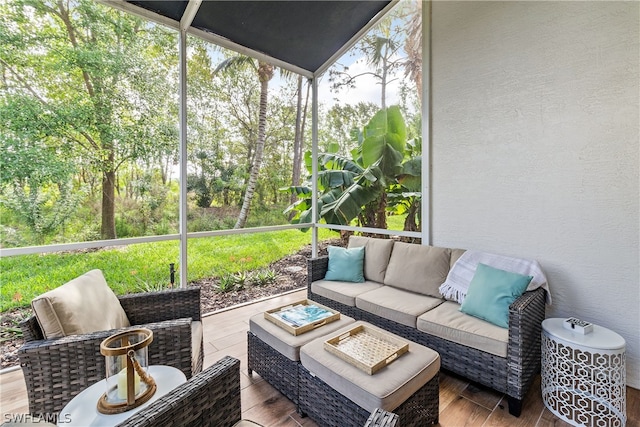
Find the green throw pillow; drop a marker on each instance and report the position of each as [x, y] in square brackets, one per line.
[346, 265]
[491, 292]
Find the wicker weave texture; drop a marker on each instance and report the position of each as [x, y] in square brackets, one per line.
[275, 368]
[328, 408]
[382, 418]
[512, 375]
[209, 399]
[56, 370]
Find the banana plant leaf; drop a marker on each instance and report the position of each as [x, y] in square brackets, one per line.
[348, 205]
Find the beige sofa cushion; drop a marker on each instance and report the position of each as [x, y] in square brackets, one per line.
[376, 256]
[387, 389]
[83, 305]
[396, 304]
[285, 343]
[342, 292]
[448, 322]
[418, 268]
[455, 255]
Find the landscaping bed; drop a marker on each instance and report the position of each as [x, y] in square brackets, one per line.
[291, 273]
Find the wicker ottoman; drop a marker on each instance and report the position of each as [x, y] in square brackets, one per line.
[274, 353]
[335, 393]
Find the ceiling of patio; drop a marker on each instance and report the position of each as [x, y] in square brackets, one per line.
[302, 33]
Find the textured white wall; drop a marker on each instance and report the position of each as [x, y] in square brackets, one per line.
[536, 147]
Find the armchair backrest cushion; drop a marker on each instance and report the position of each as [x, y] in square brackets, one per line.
[376, 256]
[418, 268]
[83, 305]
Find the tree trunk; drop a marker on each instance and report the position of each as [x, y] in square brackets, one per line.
[108, 227]
[381, 212]
[265, 73]
[297, 142]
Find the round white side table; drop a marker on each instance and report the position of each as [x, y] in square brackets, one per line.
[82, 409]
[583, 376]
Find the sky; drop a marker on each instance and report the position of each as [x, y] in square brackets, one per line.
[367, 89]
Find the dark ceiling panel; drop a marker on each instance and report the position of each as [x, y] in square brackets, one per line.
[302, 33]
[171, 9]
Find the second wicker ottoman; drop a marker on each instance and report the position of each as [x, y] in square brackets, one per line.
[274, 353]
[336, 393]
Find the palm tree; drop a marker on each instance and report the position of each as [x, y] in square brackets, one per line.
[298, 144]
[265, 73]
[413, 47]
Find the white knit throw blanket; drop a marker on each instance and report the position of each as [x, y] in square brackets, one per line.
[460, 275]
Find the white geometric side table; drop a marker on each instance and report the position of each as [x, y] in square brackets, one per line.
[584, 376]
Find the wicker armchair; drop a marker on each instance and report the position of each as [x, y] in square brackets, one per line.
[210, 398]
[55, 370]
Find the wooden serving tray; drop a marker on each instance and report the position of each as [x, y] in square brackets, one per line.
[367, 349]
[275, 316]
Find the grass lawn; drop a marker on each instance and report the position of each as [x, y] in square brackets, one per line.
[136, 268]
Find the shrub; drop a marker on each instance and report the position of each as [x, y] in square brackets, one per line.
[264, 277]
[226, 283]
[240, 279]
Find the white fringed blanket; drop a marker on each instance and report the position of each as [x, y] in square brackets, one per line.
[460, 275]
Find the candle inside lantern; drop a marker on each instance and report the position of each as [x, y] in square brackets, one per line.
[122, 384]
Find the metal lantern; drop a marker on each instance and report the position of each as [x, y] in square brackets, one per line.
[127, 360]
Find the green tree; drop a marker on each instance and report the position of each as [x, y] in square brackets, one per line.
[381, 48]
[88, 67]
[264, 72]
[35, 178]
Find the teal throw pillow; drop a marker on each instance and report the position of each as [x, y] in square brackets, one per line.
[491, 292]
[346, 265]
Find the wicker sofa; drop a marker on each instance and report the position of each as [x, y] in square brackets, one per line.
[52, 367]
[398, 295]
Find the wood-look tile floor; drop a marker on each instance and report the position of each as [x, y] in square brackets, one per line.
[461, 403]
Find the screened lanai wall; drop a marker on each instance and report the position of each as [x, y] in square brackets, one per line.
[531, 119]
[317, 34]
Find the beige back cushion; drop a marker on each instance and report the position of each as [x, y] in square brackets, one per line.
[85, 304]
[418, 268]
[376, 256]
[455, 255]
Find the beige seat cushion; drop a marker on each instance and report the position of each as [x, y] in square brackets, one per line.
[343, 292]
[196, 343]
[396, 304]
[418, 268]
[387, 389]
[448, 322]
[285, 343]
[376, 256]
[83, 305]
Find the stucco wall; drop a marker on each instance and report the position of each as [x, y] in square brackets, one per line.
[535, 147]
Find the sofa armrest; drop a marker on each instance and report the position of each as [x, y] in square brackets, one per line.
[382, 418]
[149, 307]
[523, 352]
[211, 398]
[316, 269]
[55, 370]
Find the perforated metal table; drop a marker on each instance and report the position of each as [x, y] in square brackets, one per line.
[583, 376]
